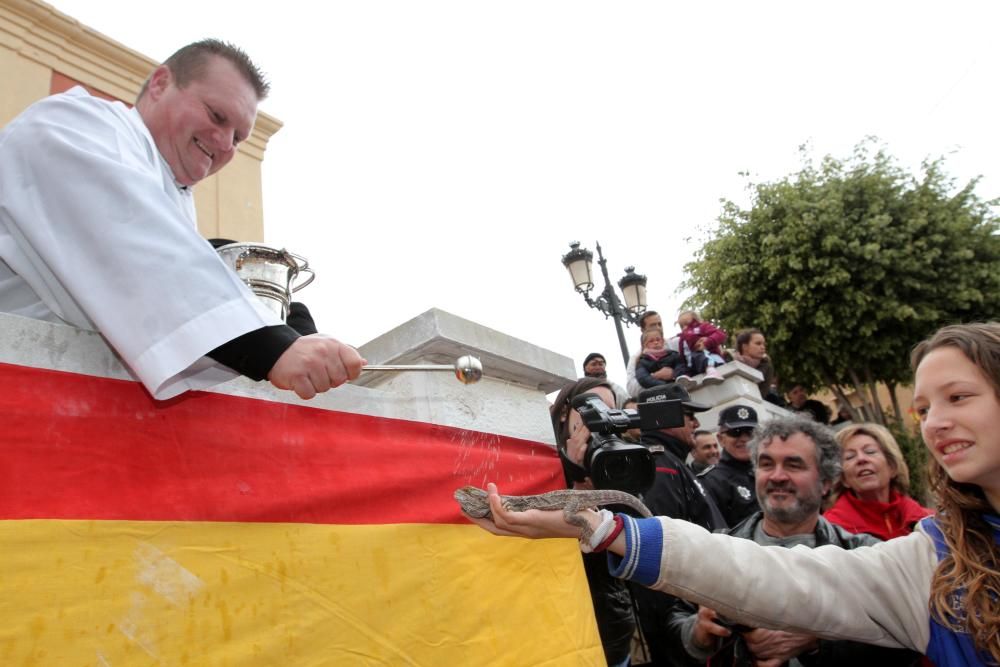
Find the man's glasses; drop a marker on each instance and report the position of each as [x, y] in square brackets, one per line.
[737, 432]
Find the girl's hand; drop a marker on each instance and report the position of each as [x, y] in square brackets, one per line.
[533, 524]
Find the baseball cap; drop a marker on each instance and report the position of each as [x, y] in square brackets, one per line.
[737, 416]
[672, 392]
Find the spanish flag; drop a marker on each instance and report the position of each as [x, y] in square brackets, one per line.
[218, 530]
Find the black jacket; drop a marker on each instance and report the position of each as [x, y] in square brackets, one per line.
[611, 597]
[730, 483]
[646, 366]
[830, 653]
[825, 532]
[675, 493]
[612, 608]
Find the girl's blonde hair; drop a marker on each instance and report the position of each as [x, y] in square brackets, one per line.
[966, 582]
[649, 332]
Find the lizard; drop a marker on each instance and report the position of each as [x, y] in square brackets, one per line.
[475, 503]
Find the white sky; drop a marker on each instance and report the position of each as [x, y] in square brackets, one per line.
[445, 153]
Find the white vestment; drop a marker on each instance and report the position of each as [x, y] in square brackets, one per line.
[95, 232]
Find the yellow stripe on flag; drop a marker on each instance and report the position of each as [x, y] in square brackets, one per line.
[133, 593]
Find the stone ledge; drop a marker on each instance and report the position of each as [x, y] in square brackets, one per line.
[739, 388]
[502, 403]
[438, 337]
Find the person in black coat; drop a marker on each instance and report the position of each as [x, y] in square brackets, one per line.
[730, 482]
[610, 596]
[675, 493]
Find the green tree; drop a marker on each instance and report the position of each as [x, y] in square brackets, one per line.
[846, 265]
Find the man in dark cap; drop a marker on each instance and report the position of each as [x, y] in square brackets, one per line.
[730, 483]
[675, 493]
[595, 366]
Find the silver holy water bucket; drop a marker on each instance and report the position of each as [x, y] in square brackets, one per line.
[270, 273]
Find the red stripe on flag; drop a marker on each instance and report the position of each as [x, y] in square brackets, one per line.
[80, 447]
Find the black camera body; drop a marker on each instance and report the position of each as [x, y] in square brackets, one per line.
[612, 463]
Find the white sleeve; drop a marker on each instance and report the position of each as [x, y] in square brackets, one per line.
[631, 383]
[86, 221]
[877, 595]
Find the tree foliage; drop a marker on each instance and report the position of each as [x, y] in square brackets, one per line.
[846, 265]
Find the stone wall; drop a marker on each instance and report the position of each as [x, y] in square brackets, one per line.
[509, 400]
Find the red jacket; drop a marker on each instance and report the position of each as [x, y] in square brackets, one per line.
[698, 330]
[883, 520]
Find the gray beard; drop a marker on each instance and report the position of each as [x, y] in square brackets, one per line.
[797, 513]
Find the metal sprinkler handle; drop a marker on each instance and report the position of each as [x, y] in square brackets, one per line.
[467, 369]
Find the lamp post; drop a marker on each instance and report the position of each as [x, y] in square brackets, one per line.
[633, 285]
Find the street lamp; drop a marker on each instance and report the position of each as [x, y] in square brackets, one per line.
[633, 285]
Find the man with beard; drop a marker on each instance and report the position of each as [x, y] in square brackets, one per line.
[796, 462]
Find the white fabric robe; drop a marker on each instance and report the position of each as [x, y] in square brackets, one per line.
[95, 232]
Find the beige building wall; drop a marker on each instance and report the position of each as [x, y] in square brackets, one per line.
[904, 393]
[40, 47]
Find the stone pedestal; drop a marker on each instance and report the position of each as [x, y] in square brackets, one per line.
[739, 387]
[510, 398]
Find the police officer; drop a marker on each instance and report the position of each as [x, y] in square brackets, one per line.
[730, 483]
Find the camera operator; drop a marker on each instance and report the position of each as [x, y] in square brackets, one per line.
[675, 493]
[610, 596]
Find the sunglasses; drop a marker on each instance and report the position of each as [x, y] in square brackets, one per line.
[737, 432]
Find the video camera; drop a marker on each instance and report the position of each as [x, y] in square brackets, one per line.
[612, 463]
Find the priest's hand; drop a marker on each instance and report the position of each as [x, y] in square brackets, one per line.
[314, 364]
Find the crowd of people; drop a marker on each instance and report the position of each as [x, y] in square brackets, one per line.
[691, 357]
[763, 481]
[783, 482]
[863, 573]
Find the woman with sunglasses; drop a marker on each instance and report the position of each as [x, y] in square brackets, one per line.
[936, 590]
